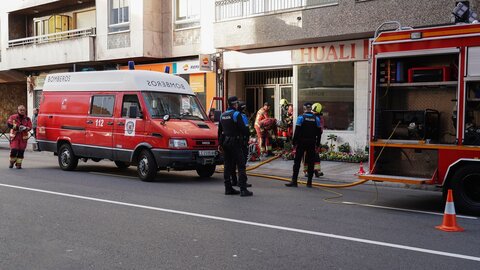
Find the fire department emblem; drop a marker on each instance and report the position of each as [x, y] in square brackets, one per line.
[130, 127]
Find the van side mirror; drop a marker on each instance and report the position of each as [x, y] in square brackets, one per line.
[134, 112]
[216, 116]
[166, 117]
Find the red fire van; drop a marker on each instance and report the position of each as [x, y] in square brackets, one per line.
[149, 119]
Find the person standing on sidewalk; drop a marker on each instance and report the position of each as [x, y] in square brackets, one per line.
[263, 135]
[19, 125]
[231, 131]
[305, 138]
[34, 122]
[241, 108]
[317, 169]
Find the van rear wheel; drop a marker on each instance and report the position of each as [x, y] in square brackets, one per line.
[66, 158]
[146, 167]
[122, 165]
[206, 171]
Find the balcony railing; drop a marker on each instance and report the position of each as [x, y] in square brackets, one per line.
[53, 37]
[235, 9]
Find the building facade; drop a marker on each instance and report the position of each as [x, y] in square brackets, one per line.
[259, 50]
[313, 50]
[39, 37]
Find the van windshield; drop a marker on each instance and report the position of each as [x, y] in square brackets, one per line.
[178, 106]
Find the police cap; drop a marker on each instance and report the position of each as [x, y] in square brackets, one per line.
[307, 105]
[232, 100]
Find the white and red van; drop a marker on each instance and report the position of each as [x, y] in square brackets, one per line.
[149, 119]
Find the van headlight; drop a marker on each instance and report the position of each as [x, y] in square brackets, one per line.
[177, 143]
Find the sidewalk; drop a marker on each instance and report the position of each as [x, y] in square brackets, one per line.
[334, 172]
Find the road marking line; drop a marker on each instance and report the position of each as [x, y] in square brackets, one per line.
[116, 175]
[405, 210]
[263, 225]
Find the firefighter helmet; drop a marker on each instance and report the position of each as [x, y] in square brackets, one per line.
[317, 107]
[283, 102]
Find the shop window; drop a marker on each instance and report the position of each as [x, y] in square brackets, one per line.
[187, 13]
[332, 85]
[119, 16]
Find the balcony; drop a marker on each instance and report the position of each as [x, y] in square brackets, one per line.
[72, 46]
[237, 9]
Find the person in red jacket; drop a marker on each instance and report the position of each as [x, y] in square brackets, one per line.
[19, 125]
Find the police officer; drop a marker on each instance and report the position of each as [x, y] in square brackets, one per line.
[231, 132]
[241, 108]
[306, 138]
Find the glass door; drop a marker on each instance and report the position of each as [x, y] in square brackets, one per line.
[269, 96]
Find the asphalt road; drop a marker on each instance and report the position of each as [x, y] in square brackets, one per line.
[99, 217]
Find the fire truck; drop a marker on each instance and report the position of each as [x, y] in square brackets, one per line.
[425, 110]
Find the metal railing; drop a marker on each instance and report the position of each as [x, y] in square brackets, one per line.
[53, 37]
[235, 9]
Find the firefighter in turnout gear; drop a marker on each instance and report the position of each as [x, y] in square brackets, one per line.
[305, 138]
[19, 125]
[231, 132]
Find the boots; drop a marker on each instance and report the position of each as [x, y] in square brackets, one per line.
[292, 183]
[229, 190]
[309, 182]
[11, 164]
[244, 192]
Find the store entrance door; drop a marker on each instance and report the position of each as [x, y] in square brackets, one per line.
[258, 95]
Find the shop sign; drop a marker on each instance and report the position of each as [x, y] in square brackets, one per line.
[353, 50]
[205, 62]
[187, 67]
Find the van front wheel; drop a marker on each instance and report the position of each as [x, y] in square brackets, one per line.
[206, 171]
[147, 167]
[66, 158]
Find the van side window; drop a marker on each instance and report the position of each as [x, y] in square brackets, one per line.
[102, 105]
[128, 102]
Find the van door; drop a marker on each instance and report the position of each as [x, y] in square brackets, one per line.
[129, 126]
[99, 128]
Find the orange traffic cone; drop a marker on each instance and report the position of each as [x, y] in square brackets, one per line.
[449, 223]
[361, 170]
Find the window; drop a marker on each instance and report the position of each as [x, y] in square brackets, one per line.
[129, 101]
[331, 85]
[178, 106]
[102, 106]
[41, 27]
[119, 16]
[187, 13]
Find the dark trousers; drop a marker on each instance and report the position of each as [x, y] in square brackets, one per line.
[234, 157]
[234, 171]
[309, 149]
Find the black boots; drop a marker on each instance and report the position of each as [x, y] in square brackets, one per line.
[229, 190]
[309, 183]
[292, 183]
[245, 192]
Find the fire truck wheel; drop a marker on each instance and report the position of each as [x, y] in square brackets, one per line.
[122, 165]
[206, 171]
[466, 188]
[66, 158]
[147, 167]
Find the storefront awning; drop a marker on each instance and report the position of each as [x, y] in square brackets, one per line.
[12, 76]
